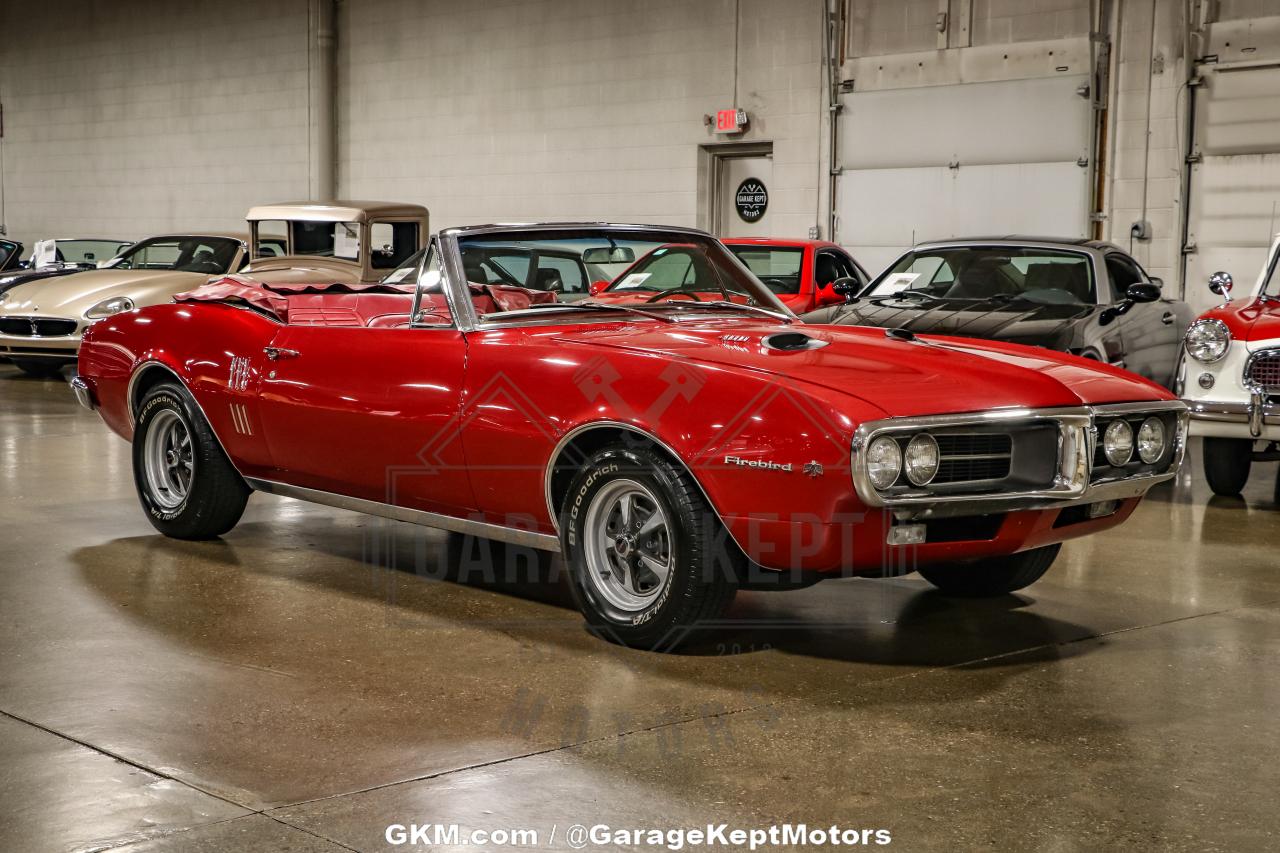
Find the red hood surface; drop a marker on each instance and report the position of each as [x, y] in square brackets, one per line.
[1249, 320]
[931, 375]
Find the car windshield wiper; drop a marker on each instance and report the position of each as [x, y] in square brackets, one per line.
[724, 303]
[600, 306]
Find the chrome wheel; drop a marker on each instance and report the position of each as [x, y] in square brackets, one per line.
[168, 460]
[628, 545]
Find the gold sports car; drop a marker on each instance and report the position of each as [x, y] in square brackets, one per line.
[41, 322]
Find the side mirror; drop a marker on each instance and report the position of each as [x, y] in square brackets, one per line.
[1221, 284]
[1143, 292]
[847, 287]
[597, 287]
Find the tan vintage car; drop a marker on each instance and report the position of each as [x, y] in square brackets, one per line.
[41, 321]
[351, 242]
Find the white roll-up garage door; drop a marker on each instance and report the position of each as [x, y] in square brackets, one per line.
[967, 159]
[1235, 187]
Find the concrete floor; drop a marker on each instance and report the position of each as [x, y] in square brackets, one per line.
[282, 689]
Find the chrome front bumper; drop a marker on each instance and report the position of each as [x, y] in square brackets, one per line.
[1257, 413]
[83, 395]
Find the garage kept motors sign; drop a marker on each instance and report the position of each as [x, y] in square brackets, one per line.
[751, 200]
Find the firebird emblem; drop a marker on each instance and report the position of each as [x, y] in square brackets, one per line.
[812, 469]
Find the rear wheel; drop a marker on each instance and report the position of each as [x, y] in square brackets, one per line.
[1226, 464]
[184, 480]
[648, 560]
[39, 369]
[998, 576]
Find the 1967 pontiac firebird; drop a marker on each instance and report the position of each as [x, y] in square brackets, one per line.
[674, 446]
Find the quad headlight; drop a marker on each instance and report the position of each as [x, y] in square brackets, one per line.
[1207, 340]
[921, 459]
[108, 307]
[884, 462]
[1151, 440]
[1117, 442]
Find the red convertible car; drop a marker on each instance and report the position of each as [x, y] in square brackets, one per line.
[674, 448]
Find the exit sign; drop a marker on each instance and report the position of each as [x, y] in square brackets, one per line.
[731, 121]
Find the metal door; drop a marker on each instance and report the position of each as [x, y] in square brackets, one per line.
[1235, 185]
[743, 185]
[962, 160]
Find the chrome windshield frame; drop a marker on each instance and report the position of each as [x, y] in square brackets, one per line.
[465, 317]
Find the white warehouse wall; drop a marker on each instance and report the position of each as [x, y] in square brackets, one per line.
[132, 117]
[139, 116]
[518, 110]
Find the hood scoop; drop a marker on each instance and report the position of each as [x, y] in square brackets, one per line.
[791, 342]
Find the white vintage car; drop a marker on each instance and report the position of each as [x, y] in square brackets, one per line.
[1231, 378]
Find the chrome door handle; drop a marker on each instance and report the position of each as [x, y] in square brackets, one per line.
[277, 353]
[1168, 318]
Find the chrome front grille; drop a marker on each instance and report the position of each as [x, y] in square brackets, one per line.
[1018, 458]
[1263, 370]
[37, 327]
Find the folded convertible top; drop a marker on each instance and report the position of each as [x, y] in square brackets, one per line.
[272, 298]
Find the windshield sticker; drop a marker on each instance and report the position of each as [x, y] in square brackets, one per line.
[635, 279]
[346, 242]
[897, 283]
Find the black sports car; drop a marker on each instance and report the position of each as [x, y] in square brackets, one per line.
[10, 255]
[53, 258]
[1085, 297]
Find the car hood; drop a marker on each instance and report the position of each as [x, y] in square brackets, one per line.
[9, 279]
[928, 375]
[1017, 321]
[74, 294]
[1249, 320]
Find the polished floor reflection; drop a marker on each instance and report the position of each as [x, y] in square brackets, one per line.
[305, 682]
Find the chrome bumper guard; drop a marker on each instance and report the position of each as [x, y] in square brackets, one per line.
[83, 395]
[1073, 483]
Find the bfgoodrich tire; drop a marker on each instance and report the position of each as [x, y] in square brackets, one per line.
[648, 560]
[185, 482]
[997, 576]
[1226, 464]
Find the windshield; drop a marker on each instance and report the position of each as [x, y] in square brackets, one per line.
[648, 266]
[210, 255]
[84, 252]
[779, 269]
[326, 239]
[1272, 285]
[988, 272]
